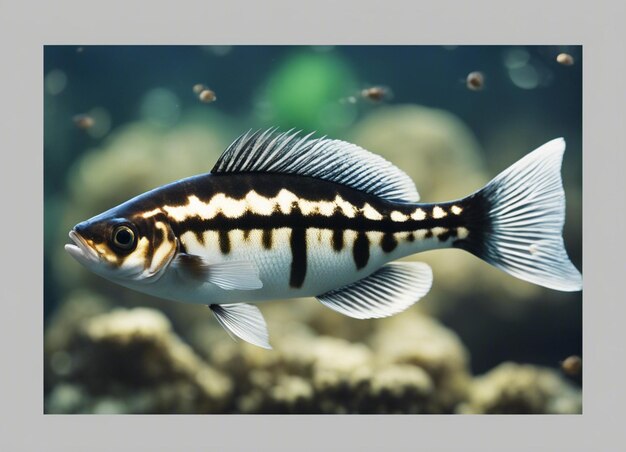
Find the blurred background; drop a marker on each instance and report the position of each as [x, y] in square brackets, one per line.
[119, 120]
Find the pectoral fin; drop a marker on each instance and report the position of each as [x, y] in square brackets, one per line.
[388, 291]
[244, 321]
[240, 275]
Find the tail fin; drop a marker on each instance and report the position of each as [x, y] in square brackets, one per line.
[517, 221]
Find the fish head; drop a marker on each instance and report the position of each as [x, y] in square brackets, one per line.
[125, 248]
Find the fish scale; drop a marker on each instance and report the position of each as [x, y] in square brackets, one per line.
[284, 216]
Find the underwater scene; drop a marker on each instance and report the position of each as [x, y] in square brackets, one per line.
[122, 120]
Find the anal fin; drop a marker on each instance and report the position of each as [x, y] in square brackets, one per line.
[244, 321]
[388, 291]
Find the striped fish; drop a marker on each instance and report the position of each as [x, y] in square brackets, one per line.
[285, 215]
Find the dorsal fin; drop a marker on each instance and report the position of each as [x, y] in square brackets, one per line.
[323, 158]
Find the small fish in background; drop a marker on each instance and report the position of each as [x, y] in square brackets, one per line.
[475, 81]
[376, 94]
[83, 121]
[372, 94]
[572, 365]
[198, 88]
[565, 59]
[286, 216]
[205, 94]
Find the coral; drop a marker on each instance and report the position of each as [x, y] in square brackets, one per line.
[515, 388]
[80, 305]
[417, 340]
[310, 373]
[60, 331]
[131, 361]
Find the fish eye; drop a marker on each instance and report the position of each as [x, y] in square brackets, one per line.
[123, 237]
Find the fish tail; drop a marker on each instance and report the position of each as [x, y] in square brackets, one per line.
[516, 221]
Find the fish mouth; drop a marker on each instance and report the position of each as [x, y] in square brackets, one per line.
[80, 249]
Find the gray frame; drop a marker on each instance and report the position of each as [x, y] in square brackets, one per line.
[26, 26]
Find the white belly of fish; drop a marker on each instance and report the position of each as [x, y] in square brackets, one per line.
[326, 268]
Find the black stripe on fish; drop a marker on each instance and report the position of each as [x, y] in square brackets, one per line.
[237, 186]
[337, 221]
[200, 237]
[153, 245]
[337, 239]
[298, 262]
[156, 235]
[388, 242]
[445, 235]
[361, 250]
[477, 221]
[267, 238]
[224, 241]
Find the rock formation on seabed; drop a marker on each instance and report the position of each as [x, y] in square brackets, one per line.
[131, 361]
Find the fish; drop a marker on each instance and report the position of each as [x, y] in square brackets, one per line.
[286, 215]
